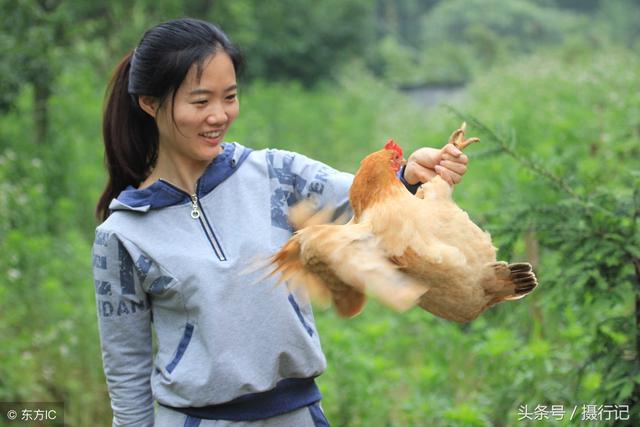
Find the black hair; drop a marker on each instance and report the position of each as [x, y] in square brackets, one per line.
[156, 67]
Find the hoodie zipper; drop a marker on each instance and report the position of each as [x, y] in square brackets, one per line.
[197, 213]
[195, 210]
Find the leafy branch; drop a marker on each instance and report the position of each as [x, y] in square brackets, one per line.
[534, 166]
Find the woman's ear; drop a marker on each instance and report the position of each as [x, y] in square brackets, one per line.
[149, 104]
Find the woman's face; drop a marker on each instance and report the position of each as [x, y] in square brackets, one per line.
[203, 111]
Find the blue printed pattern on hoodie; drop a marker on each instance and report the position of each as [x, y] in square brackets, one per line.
[291, 184]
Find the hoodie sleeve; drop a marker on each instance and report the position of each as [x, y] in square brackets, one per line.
[124, 319]
[300, 177]
[413, 188]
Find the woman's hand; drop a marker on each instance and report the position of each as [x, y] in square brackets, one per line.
[425, 163]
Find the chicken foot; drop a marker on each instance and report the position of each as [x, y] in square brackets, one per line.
[458, 140]
[513, 281]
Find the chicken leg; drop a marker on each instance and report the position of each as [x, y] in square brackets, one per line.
[458, 140]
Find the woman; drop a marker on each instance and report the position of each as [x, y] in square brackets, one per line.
[184, 214]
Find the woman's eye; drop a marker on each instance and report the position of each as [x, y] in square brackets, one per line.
[200, 102]
[231, 97]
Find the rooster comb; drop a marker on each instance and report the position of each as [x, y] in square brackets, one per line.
[391, 145]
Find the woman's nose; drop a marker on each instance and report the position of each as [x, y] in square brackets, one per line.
[217, 116]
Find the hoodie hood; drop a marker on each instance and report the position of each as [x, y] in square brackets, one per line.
[161, 193]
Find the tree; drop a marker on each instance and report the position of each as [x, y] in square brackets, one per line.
[303, 40]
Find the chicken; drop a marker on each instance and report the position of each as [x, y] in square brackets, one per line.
[403, 249]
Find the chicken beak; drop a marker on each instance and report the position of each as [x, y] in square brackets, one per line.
[403, 162]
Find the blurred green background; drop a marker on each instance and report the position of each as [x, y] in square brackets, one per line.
[552, 87]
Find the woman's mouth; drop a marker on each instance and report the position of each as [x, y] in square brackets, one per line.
[212, 136]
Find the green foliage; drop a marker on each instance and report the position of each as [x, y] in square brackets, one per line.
[511, 29]
[623, 17]
[520, 23]
[339, 123]
[307, 48]
[25, 46]
[555, 180]
[459, 40]
[50, 347]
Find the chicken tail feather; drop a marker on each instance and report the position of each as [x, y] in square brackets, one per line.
[288, 264]
[287, 259]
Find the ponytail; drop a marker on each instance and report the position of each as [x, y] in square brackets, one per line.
[130, 138]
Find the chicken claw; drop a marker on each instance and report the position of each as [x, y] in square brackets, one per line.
[458, 140]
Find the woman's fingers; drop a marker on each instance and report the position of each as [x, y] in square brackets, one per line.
[449, 176]
[451, 150]
[462, 158]
[449, 162]
[459, 168]
[452, 165]
[424, 174]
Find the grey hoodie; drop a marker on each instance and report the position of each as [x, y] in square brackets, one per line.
[228, 344]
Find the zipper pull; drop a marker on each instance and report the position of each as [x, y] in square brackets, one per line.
[195, 212]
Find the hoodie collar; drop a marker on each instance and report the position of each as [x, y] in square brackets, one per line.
[161, 193]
